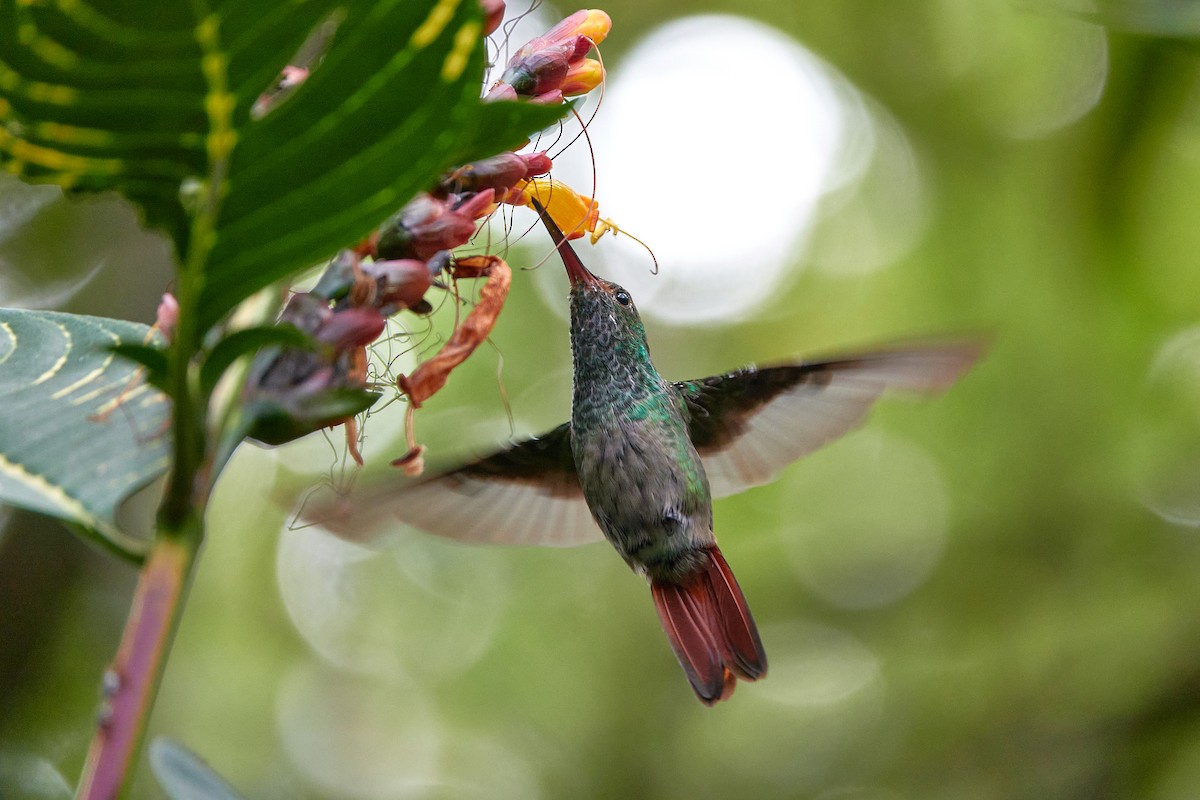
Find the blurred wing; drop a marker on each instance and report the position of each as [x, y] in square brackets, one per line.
[526, 494]
[749, 424]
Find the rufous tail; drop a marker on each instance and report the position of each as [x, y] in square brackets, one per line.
[710, 628]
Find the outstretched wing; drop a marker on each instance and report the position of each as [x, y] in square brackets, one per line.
[527, 493]
[749, 424]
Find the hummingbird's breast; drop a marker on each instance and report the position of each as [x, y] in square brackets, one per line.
[643, 479]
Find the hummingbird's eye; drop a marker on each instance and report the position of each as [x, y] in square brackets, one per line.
[623, 298]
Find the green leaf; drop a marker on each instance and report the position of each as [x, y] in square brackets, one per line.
[279, 421]
[183, 775]
[246, 341]
[154, 359]
[153, 100]
[81, 429]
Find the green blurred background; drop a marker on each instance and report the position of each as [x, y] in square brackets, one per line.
[992, 595]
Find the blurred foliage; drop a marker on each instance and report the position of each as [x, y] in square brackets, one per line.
[184, 775]
[993, 595]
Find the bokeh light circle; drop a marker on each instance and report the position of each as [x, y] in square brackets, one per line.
[857, 554]
[1168, 483]
[822, 701]
[717, 162]
[32, 776]
[358, 738]
[419, 606]
[819, 666]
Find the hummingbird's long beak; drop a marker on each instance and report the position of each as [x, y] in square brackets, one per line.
[576, 271]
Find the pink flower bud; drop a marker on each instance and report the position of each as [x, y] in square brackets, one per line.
[167, 315]
[500, 91]
[536, 164]
[551, 98]
[476, 206]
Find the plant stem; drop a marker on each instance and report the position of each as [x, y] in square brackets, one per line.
[132, 681]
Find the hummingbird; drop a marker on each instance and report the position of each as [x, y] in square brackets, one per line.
[642, 458]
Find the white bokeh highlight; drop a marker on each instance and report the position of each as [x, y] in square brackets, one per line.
[1169, 484]
[824, 699]
[821, 666]
[32, 776]
[719, 164]
[358, 738]
[873, 524]
[20, 286]
[417, 607]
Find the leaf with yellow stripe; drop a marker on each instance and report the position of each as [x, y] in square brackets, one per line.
[153, 100]
[81, 429]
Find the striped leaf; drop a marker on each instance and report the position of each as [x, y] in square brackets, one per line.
[80, 429]
[152, 98]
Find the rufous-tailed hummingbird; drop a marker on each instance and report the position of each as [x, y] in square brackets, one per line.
[642, 458]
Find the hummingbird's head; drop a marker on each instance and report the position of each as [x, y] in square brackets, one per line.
[596, 294]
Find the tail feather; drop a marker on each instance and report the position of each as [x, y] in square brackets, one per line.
[747, 657]
[710, 628]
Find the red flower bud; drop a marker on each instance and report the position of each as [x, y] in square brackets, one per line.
[493, 15]
[497, 173]
[306, 311]
[537, 72]
[427, 225]
[400, 284]
[350, 328]
[443, 233]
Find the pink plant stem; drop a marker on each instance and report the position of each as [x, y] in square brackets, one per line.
[132, 681]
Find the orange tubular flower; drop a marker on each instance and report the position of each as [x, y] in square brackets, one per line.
[582, 77]
[571, 211]
[596, 25]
